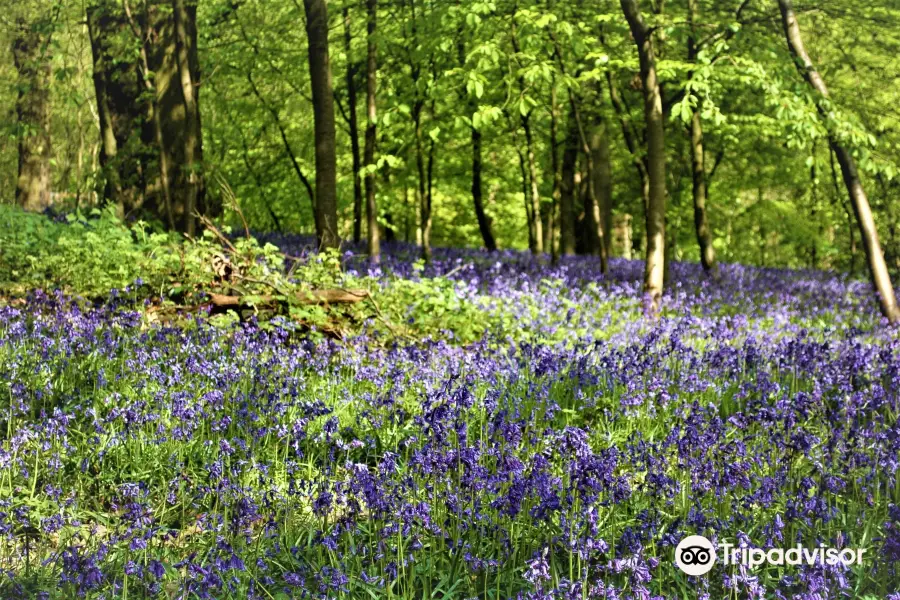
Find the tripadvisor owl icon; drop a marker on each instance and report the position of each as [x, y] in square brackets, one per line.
[695, 555]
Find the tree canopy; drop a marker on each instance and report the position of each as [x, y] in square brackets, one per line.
[501, 124]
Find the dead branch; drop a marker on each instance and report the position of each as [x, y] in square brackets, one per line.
[308, 297]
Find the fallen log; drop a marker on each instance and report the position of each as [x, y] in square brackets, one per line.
[332, 296]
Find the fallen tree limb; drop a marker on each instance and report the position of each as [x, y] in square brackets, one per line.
[333, 296]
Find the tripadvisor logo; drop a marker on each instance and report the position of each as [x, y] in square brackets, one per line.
[695, 555]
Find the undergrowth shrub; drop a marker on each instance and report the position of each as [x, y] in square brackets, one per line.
[90, 255]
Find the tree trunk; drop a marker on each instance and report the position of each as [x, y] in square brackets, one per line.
[429, 194]
[353, 123]
[119, 108]
[535, 193]
[142, 33]
[656, 157]
[701, 224]
[868, 232]
[526, 189]
[588, 157]
[552, 228]
[323, 116]
[193, 142]
[484, 222]
[848, 212]
[602, 173]
[698, 169]
[32, 60]
[531, 183]
[144, 134]
[592, 204]
[421, 190]
[373, 238]
[564, 179]
[568, 191]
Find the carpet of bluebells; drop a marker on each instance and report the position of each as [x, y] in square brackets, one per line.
[563, 457]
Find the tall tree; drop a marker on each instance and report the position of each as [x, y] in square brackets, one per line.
[373, 240]
[193, 141]
[151, 143]
[353, 125]
[143, 34]
[323, 117]
[567, 193]
[484, 222]
[533, 210]
[595, 220]
[868, 231]
[602, 174]
[698, 169]
[30, 49]
[654, 269]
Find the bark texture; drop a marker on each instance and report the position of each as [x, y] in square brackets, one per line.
[145, 129]
[868, 231]
[323, 108]
[185, 45]
[654, 270]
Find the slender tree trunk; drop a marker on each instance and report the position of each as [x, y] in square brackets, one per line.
[564, 178]
[535, 190]
[588, 157]
[484, 222]
[533, 211]
[602, 173]
[552, 241]
[193, 142]
[429, 194]
[526, 188]
[868, 231]
[701, 223]
[596, 219]
[847, 211]
[323, 113]
[568, 191]
[421, 191]
[656, 157]
[373, 238]
[30, 53]
[353, 123]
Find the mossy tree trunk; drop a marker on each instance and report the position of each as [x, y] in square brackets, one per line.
[146, 128]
